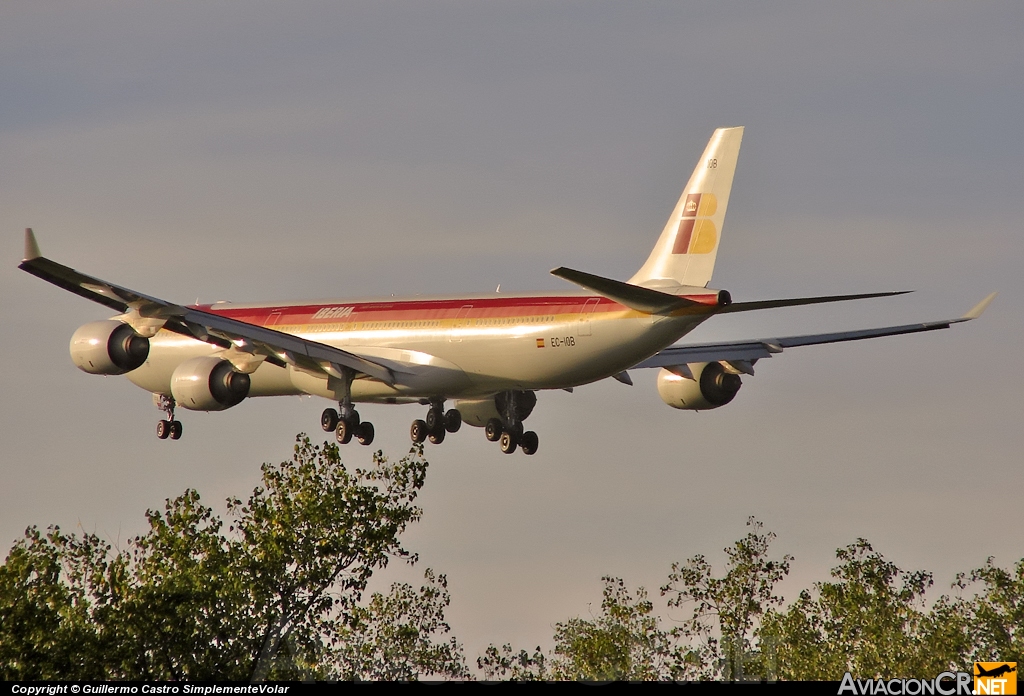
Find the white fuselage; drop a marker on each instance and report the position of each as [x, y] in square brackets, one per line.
[474, 346]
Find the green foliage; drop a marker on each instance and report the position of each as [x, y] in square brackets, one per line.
[276, 592]
[624, 641]
[391, 638]
[275, 596]
[871, 622]
[506, 663]
[726, 611]
[45, 623]
[997, 612]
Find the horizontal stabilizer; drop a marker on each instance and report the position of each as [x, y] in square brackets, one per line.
[797, 301]
[632, 296]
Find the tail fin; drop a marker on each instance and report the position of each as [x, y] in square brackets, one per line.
[686, 250]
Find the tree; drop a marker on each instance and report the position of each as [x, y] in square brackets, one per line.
[276, 595]
[997, 613]
[624, 642]
[871, 622]
[726, 611]
[392, 637]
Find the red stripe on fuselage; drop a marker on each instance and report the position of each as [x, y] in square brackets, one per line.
[425, 310]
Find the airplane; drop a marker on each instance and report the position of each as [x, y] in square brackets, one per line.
[488, 354]
[999, 671]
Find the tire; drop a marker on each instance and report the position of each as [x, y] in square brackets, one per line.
[507, 443]
[176, 430]
[343, 433]
[529, 442]
[434, 420]
[492, 431]
[329, 420]
[438, 437]
[418, 431]
[452, 420]
[163, 429]
[364, 433]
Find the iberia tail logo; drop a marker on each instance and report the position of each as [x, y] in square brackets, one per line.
[697, 233]
[995, 677]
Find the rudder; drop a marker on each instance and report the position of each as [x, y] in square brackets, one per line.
[688, 246]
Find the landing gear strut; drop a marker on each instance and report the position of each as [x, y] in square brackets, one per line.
[346, 424]
[514, 407]
[437, 423]
[169, 428]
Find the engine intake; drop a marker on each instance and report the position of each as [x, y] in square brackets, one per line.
[108, 347]
[710, 387]
[208, 384]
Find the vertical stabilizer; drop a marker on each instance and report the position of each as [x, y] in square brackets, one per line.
[686, 250]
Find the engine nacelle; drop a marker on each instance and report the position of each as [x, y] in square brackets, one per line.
[108, 347]
[208, 384]
[710, 387]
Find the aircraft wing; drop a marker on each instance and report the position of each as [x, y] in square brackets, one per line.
[276, 347]
[741, 352]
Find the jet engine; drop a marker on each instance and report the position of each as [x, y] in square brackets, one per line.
[108, 347]
[712, 386]
[208, 384]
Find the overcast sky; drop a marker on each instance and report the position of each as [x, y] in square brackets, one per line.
[274, 151]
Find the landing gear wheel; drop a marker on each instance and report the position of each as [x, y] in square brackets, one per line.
[434, 420]
[492, 431]
[364, 433]
[175, 430]
[529, 442]
[452, 420]
[163, 429]
[437, 437]
[418, 431]
[507, 443]
[343, 433]
[329, 420]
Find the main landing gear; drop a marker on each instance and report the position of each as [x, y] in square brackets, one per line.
[514, 407]
[509, 437]
[169, 428]
[436, 424]
[347, 425]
